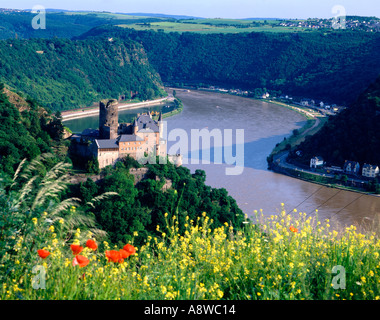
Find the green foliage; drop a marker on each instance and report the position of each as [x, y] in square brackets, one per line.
[25, 135]
[141, 207]
[92, 165]
[34, 194]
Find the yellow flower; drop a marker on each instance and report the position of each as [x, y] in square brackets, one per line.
[169, 296]
[51, 228]
[34, 220]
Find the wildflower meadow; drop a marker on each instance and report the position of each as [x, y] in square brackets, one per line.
[287, 256]
[50, 250]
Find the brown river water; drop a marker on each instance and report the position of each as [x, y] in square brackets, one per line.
[257, 188]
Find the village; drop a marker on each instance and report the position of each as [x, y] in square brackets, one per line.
[369, 24]
[351, 168]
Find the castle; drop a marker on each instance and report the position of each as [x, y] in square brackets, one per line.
[114, 141]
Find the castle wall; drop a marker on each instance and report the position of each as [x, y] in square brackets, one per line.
[107, 157]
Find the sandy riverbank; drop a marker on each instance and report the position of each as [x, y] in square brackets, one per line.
[88, 112]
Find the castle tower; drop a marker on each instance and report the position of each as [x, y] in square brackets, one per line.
[160, 125]
[108, 119]
[135, 127]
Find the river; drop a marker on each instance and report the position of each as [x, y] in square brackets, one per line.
[257, 188]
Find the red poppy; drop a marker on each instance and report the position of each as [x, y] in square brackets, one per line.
[293, 229]
[114, 256]
[130, 249]
[43, 253]
[76, 249]
[91, 244]
[124, 254]
[81, 261]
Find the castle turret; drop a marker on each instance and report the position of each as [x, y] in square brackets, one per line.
[135, 127]
[160, 124]
[108, 119]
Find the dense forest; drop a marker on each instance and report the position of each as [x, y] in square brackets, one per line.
[354, 134]
[64, 74]
[333, 66]
[27, 131]
[141, 207]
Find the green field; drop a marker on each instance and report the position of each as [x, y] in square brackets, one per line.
[215, 26]
[108, 15]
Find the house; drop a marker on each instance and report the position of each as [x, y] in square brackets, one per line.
[316, 162]
[307, 102]
[352, 167]
[370, 171]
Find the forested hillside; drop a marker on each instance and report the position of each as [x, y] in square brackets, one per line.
[64, 74]
[26, 131]
[354, 134]
[59, 24]
[331, 65]
[141, 207]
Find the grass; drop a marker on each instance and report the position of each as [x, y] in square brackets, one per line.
[204, 27]
[108, 15]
